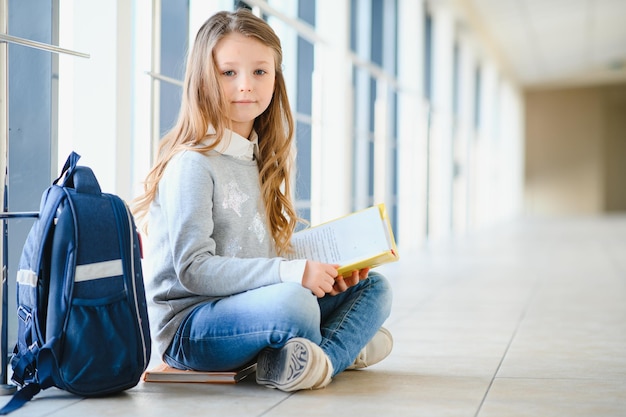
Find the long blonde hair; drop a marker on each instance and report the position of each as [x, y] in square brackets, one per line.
[203, 105]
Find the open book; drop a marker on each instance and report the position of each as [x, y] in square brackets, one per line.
[165, 373]
[362, 239]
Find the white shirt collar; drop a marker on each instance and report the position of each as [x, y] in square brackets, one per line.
[235, 145]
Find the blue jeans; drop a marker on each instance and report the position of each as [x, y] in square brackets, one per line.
[228, 333]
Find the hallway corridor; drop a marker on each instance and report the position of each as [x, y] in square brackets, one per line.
[527, 319]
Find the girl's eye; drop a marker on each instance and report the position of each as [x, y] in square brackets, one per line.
[260, 72]
[229, 73]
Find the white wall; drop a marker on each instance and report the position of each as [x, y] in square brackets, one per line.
[95, 94]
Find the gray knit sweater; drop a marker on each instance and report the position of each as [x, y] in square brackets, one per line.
[207, 238]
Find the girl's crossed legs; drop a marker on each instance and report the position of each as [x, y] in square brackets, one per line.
[228, 333]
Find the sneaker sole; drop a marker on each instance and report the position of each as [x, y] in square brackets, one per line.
[284, 368]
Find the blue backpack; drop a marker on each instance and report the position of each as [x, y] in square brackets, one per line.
[81, 305]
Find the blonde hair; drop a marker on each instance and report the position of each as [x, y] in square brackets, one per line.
[204, 105]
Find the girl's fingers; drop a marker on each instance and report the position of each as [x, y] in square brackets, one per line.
[352, 279]
[340, 284]
[363, 273]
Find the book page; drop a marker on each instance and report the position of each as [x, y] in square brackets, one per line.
[320, 245]
[357, 236]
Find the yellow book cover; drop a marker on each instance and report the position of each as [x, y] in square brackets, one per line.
[165, 373]
[363, 239]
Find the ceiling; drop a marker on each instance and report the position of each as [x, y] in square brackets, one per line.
[556, 42]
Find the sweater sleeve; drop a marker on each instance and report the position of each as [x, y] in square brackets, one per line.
[186, 197]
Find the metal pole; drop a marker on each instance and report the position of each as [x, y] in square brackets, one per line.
[39, 45]
[5, 389]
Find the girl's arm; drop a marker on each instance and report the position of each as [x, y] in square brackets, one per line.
[186, 197]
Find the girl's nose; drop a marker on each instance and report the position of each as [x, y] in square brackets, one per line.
[245, 84]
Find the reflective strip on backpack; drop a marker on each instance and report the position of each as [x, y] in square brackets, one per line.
[26, 277]
[99, 270]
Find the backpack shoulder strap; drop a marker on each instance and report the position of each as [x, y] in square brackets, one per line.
[20, 398]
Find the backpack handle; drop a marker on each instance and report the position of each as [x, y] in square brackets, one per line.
[81, 178]
[68, 168]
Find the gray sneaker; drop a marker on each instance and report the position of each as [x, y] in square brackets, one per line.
[375, 351]
[300, 364]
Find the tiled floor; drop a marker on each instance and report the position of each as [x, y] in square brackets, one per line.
[528, 319]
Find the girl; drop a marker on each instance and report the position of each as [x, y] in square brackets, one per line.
[220, 223]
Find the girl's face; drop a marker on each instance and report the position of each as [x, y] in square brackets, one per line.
[246, 73]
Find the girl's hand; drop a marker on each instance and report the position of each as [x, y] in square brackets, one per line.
[343, 283]
[319, 277]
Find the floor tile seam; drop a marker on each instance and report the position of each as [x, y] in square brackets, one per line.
[522, 316]
[435, 376]
[548, 378]
[62, 407]
[276, 404]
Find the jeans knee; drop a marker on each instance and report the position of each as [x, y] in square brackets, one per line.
[298, 306]
[297, 297]
[382, 287]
